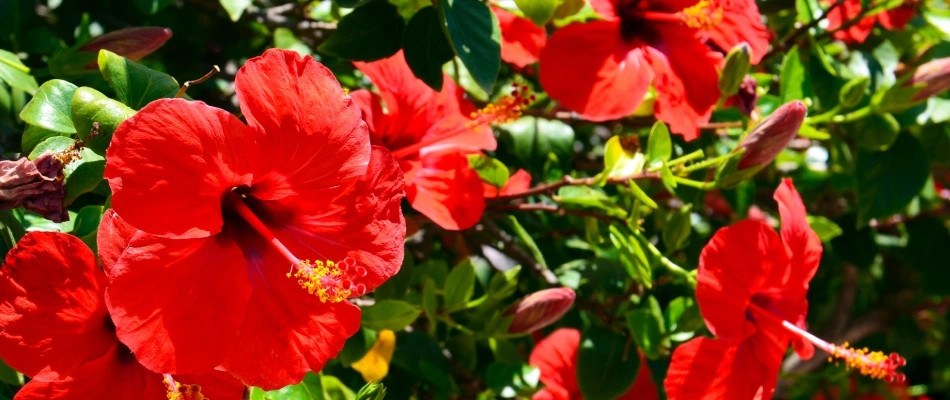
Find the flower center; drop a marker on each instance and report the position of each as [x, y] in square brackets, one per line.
[327, 280]
[177, 391]
[505, 110]
[705, 15]
[873, 364]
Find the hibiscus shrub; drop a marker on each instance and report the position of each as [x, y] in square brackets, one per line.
[464, 199]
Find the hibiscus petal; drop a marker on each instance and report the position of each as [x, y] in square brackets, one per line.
[556, 357]
[712, 369]
[176, 158]
[732, 267]
[601, 78]
[687, 83]
[803, 243]
[315, 143]
[287, 331]
[521, 39]
[457, 135]
[607, 9]
[447, 190]
[51, 310]
[177, 303]
[215, 385]
[111, 376]
[113, 238]
[365, 224]
[741, 22]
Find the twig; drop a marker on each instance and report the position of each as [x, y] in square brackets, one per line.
[568, 181]
[551, 208]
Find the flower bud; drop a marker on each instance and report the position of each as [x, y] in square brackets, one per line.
[34, 185]
[853, 91]
[540, 309]
[935, 77]
[735, 69]
[770, 137]
[746, 98]
[131, 43]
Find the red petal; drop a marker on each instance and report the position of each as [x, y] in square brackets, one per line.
[521, 39]
[897, 18]
[732, 267]
[52, 317]
[741, 22]
[803, 243]
[447, 190]
[315, 143]
[457, 135]
[113, 237]
[687, 82]
[177, 158]
[287, 331]
[364, 223]
[857, 33]
[518, 182]
[712, 369]
[643, 387]
[111, 376]
[215, 384]
[556, 357]
[606, 9]
[600, 79]
[177, 303]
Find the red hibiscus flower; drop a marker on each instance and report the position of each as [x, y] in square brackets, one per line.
[556, 357]
[430, 134]
[518, 182]
[893, 19]
[521, 39]
[56, 329]
[222, 214]
[751, 289]
[602, 69]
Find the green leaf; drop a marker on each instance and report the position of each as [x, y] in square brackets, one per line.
[876, 132]
[135, 84]
[853, 91]
[793, 82]
[682, 315]
[824, 228]
[459, 285]
[34, 135]
[50, 107]
[10, 375]
[369, 33]
[648, 329]
[660, 146]
[397, 286]
[475, 37]
[509, 379]
[606, 365]
[430, 303]
[235, 8]
[334, 389]
[504, 284]
[886, 181]
[538, 11]
[284, 38]
[530, 140]
[632, 256]
[926, 254]
[15, 73]
[491, 170]
[426, 47]
[677, 228]
[394, 315]
[55, 144]
[310, 389]
[84, 175]
[641, 195]
[527, 240]
[90, 107]
[586, 197]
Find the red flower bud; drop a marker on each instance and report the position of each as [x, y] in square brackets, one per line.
[540, 309]
[131, 43]
[772, 135]
[746, 98]
[935, 75]
[34, 185]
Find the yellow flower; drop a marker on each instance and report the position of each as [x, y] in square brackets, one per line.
[375, 364]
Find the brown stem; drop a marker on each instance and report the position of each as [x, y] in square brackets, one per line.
[568, 181]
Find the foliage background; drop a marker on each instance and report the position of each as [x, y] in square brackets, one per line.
[869, 186]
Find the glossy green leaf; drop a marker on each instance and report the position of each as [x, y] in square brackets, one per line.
[886, 181]
[530, 139]
[34, 135]
[93, 111]
[825, 228]
[459, 285]
[491, 170]
[311, 388]
[659, 145]
[426, 47]
[83, 175]
[504, 284]
[648, 328]
[475, 37]
[235, 8]
[394, 315]
[538, 11]
[793, 81]
[369, 33]
[135, 85]
[50, 107]
[606, 364]
[55, 144]
[15, 73]
[587, 197]
[853, 91]
[632, 256]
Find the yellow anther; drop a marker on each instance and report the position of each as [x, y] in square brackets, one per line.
[873, 364]
[703, 15]
[322, 279]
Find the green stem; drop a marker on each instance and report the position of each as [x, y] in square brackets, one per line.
[667, 264]
[708, 163]
[696, 184]
[852, 116]
[682, 160]
[824, 117]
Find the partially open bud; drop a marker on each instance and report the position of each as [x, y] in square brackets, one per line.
[540, 309]
[34, 185]
[763, 144]
[746, 98]
[131, 43]
[735, 69]
[934, 77]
